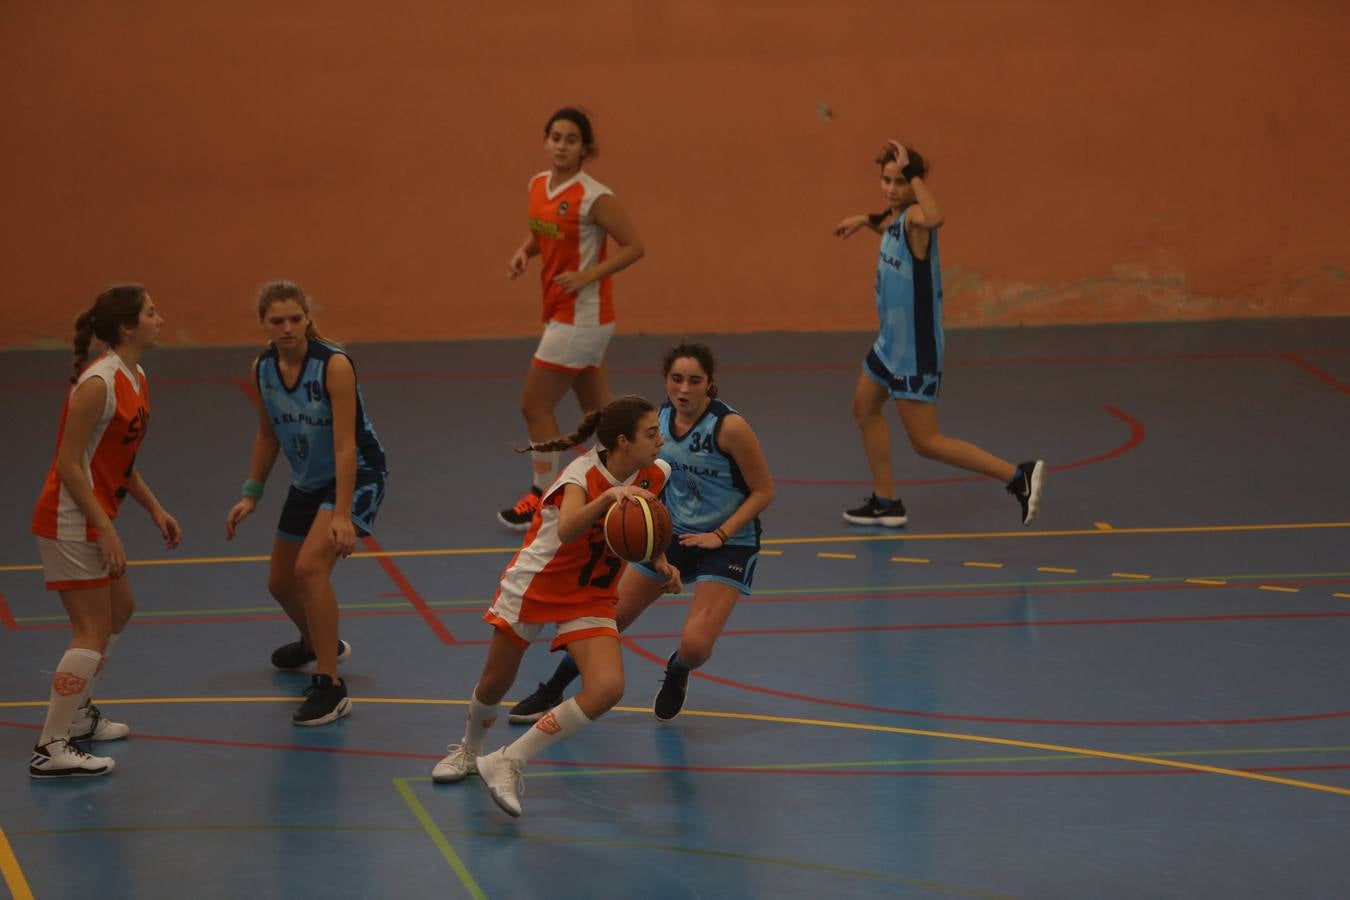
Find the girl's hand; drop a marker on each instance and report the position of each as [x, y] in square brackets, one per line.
[621, 492]
[238, 513]
[849, 226]
[706, 541]
[168, 527]
[673, 584]
[343, 536]
[571, 281]
[516, 267]
[901, 154]
[110, 548]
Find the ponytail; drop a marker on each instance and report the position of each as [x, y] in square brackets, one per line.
[620, 417]
[118, 305]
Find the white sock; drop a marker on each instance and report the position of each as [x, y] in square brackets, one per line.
[545, 464]
[107, 651]
[69, 686]
[481, 717]
[563, 721]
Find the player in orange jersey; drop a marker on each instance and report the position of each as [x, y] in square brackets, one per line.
[564, 574]
[103, 423]
[571, 216]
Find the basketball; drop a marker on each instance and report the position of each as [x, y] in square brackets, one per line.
[637, 529]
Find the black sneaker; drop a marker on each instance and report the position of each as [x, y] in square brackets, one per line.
[1026, 486]
[874, 512]
[533, 707]
[324, 702]
[518, 517]
[296, 655]
[670, 698]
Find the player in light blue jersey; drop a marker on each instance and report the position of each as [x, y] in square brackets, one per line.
[311, 410]
[905, 362]
[719, 484]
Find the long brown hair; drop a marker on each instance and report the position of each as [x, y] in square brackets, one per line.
[700, 353]
[117, 305]
[620, 417]
[279, 291]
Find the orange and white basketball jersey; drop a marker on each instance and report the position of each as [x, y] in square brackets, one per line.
[549, 581]
[109, 457]
[569, 241]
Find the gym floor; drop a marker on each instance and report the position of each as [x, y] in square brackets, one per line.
[1141, 695]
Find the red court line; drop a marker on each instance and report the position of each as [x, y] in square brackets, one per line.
[410, 592]
[7, 617]
[843, 704]
[1136, 437]
[1313, 370]
[717, 770]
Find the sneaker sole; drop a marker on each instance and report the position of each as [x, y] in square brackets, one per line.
[83, 738]
[524, 526]
[343, 708]
[1034, 493]
[451, 778]
[883, 521]
[43, 774]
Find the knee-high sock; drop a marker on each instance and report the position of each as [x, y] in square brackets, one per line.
[73, 675]
[481, 717]
[107, 651]
[564, 720]
[545, 463]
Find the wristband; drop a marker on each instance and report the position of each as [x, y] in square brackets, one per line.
[721, 534]
[253, 489]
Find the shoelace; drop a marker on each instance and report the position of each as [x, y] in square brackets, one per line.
[518, 780]
[527, 504]
[458, 751]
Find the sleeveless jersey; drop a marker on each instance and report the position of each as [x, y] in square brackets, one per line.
[302, 418]
[549, 581]
[570, 241]
[706, 485]
[109, 457]
[909, 304]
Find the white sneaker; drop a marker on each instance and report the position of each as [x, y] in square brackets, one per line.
[462, 761]
[89, 725]
[501, 775]
[59, 759]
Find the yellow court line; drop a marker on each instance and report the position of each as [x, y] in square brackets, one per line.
[1276, 587]
[1058, 570]
[771, 553]
[982, 565]
[908, 559]
[791, 720]
[9, 867]
[1134, 575]
[831, 539]
[1205, 581]
[1102, 526]
[1342, 596]
[837, 555]
[439, 839]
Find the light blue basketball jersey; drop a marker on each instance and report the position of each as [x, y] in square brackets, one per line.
[705, 485]
[909, 305]
[302, 419]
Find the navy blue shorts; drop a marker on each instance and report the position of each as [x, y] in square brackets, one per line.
[733, 565]
[297, 515]
[903, 387]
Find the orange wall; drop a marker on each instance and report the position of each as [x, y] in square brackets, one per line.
[1150, 160]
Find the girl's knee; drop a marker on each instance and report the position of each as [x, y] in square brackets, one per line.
[605, 693]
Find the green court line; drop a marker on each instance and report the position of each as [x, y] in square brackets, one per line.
[429, 825]
[439, 836]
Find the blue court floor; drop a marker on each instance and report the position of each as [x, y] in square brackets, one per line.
[1142, 695]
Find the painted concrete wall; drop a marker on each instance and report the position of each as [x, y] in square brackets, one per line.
[1141, 161]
